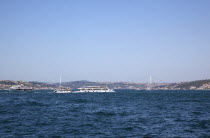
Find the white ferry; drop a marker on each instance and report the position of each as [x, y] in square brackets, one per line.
[62, 89]
[95, 89]
[20, 87]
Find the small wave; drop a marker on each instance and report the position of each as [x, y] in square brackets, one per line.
[197, 113]
[30, 103]
[86, 125]
[203, 124]
[6, 121]
[104, 113]
[80, 101]
[149, 135]
[189, 101]
[128, 128]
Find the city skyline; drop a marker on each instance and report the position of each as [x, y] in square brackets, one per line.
[105, 41]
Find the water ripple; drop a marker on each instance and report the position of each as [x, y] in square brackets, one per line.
[144, 114]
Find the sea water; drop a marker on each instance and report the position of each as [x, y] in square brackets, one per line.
[125, 113]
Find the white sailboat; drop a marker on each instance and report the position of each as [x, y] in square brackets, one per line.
[62, 89]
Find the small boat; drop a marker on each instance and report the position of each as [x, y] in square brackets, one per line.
[20, 87]
[62, 89]
[95, 89]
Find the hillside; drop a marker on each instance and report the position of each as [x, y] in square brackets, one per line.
[6, 84]
[199, 84]
[112, 85]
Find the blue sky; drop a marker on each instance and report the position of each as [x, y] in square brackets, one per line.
[105, 40]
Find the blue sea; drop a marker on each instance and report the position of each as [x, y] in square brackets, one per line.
[125, 113]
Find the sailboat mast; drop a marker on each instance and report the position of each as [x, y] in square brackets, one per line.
[60, 80]
[150, 80]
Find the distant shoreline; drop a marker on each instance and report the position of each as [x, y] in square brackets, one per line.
[192, 85]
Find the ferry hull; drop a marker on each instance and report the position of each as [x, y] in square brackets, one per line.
[62, 91]
[20, 89]
[95, 91]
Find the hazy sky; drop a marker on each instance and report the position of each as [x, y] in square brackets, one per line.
[104, 40]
